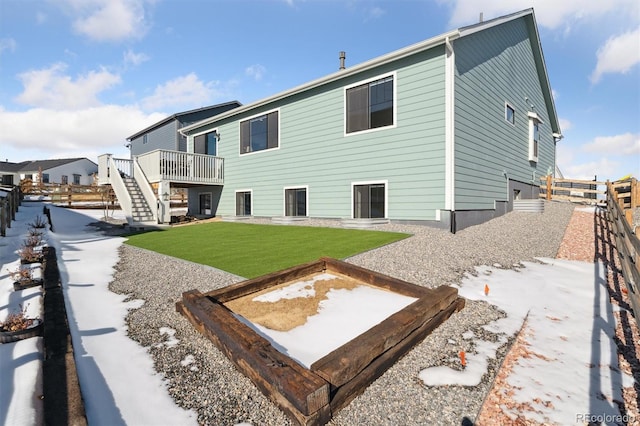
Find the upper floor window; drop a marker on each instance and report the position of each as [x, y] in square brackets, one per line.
[370, 105]
[259, 133]
[534, 135]
[206, 143]
[65, 179]
[45, 178]
[145, 139]
[509, 113]
[76, 179]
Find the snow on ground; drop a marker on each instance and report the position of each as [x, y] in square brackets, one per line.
[118, 383]
[344, 315]
[569, 320]
[570, 328]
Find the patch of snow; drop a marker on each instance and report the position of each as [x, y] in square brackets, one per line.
[295, 290]
[570, 327]
[344, 315]
[170, 336]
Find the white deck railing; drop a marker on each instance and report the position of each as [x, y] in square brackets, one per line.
[107, 163]
[183, 167]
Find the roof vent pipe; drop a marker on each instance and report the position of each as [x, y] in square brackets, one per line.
[343, 56]
[481, 17]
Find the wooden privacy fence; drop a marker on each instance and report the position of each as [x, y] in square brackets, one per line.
[626, 194]
[9, 202]
[576, 190]
[89, 195]
[627, 243]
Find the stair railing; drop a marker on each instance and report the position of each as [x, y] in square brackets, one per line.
[147, 192]
[118, 186]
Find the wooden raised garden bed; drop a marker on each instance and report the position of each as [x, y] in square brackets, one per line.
[312, 395]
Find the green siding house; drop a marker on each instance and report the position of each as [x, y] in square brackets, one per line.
[446, 132]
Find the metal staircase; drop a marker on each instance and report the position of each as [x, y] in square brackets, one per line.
[140, 210]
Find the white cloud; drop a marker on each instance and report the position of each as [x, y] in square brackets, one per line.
[41, 18]
[132, 58]
[255, 71]
[565, 124]
[51, 88]
[551, 14]
[7, 44]
[618, 55]
[625, 144]
[54, 133]
[108, 20]
[602, 168]
[185, 91]
[374, 13]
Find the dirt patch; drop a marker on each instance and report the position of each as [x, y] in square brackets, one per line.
[286, 314]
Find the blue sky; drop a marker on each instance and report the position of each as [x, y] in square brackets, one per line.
[79, 76]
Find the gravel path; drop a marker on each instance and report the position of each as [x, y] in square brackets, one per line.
[200, 377]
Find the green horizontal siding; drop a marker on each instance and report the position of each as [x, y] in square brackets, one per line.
[314, 151]
[492, 67]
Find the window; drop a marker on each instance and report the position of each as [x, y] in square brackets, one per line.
[295, 201]
[206, 143]
[76, 179]
[205, 203]
[370, 105]
[509, 113]
[144, 139]
[45, 178]
[534, 135]
[259, 133]
[243, 203]
[65, 179]
[369, 200]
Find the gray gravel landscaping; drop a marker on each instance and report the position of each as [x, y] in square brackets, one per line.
[201, 378]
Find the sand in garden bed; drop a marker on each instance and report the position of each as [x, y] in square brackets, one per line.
[309, 318]
[288, 305]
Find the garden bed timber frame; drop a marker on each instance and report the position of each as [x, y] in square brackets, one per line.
[311, 396]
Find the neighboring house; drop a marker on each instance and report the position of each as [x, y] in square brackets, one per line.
[165, 133]
[446, 132]
[77, 171]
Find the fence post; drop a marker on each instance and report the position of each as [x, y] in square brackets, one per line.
[548, 187]
[3, 218]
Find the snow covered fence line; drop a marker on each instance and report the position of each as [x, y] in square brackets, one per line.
[628, 247]
[61, 390]
[9, 202]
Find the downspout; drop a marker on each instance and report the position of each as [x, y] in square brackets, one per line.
[449, 117]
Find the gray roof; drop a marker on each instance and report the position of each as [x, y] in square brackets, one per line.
[34, 166]
[181, 114]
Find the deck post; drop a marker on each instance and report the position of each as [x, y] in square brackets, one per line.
[548, 187]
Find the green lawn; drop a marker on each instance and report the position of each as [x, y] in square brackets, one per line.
[251, 250]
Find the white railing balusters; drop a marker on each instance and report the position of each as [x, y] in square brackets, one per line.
[185, 167]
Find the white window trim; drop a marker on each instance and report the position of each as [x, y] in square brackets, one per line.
[235, 196]
[284, 198]
[507, 105]
[533, 118]
[373, 182]
[240, 154]
[193, 145]
[393, 74]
